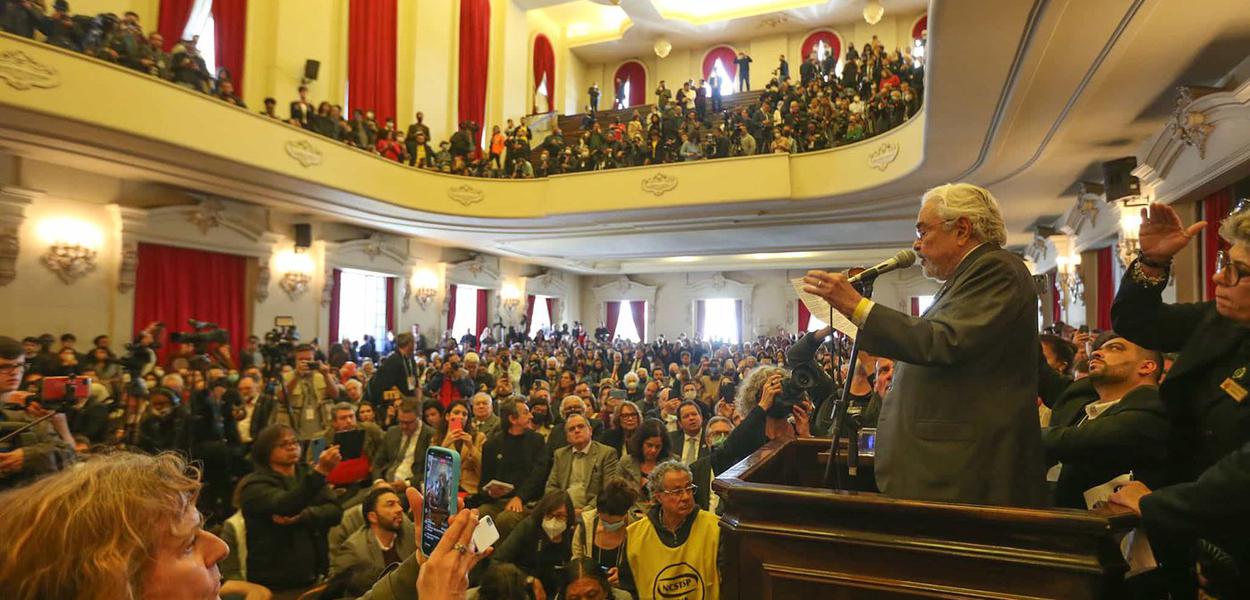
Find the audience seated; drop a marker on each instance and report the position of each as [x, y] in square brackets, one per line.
[542, 543]
[387, 539]
[581, 467]
[401, 458]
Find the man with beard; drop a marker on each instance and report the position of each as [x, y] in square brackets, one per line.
[387, 540]
[960, 423]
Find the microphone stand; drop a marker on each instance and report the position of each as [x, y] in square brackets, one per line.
[833, 475]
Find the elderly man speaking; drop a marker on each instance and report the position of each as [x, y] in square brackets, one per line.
[960, 424]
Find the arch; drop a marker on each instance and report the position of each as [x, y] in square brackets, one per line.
[828, 36]
[727, 55]
[545, 67]
[636, 74]
[920, 28]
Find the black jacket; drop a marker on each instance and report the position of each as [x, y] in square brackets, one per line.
[287, 556]
[392, 373]
[521, 460]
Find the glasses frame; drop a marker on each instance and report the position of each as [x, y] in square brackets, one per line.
[921, 233]
[1227, 272]
[692, 489]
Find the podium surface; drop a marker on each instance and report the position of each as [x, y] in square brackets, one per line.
[786, 536]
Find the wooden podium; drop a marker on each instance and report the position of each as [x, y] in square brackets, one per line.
[786, 536]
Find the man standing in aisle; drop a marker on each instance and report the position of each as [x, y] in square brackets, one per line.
[960, 423]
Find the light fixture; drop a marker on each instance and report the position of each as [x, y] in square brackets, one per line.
[72, 247]
[1128, 244]
[873, 11]
[1069, 278]
[663, 47]
[296, 268]
[510, 297]
[424, 284]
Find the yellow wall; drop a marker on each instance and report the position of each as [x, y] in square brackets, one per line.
[146, 9]
[282, 34]
[429, 37]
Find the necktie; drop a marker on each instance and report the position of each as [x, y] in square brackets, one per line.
[691, 452]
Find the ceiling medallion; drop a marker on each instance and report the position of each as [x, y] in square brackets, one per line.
[883, 156]
[22, 72]
[304, 152]
[774, 21]
[659, 184]
[1190, 126]
[465, 194]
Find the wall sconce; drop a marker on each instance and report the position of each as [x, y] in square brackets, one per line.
[425, 287]
[1130, 225]
[1069, 279]
[72, 247]
[510, 297]
[296, 269]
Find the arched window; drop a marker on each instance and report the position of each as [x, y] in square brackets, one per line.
[920, 30]
[544, 74]
[634, 78]
[720, 60]
[200, 23]
[824, 43]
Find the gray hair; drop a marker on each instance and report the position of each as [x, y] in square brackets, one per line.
[748, 395]
[1235, 228]
[341, 406]
[489, 400]
[353, 383]
[655, 480]
[956, 200]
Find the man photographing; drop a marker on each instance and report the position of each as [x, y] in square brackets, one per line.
[960, 423]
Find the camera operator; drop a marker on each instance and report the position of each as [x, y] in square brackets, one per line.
[38, 451]
[310, 391]
[397, 371]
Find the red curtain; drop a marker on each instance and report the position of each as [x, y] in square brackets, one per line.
[1214, 208]
[230, 29]
[828, 37]
[613, 310]
[529, 311]
[918, 30]
[700, 318]
[545, 65]
[482, 322]
[451, 308]
[738, 318]
[805, 317]
[172, 21]
[636, 75]
[170, 287]
[1106, 286]
[474, 60]
[639, 308]
[390, 303]
[371, 57]
[335, 304]
[727, 57]
[551, 311]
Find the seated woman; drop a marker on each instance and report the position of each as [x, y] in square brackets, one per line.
[584, 581]
[649, 447]
[457, 433]
[542, 543]
[624, 421]
[601, 533]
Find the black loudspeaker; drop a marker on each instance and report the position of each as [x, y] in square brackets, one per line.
[311, 67]
[303, 235]
[1118, 178]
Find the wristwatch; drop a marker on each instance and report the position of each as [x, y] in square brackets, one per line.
[1145, 260]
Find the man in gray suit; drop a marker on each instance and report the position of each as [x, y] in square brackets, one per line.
[388, 538]
[401, 459]
[960, 424]
[581, 467]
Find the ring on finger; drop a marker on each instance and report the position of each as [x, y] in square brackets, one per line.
[461, 548]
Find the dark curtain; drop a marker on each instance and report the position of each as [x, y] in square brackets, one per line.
[482, 321]
[545, 65]
[451, 308]
[613, 310]
[700, 318]
[551, 311]
[918, 30]
[639, 308]
[828, 37]
[738, 318]
[1106, 286]
[390, 303]
[529, 312]
[230, 29]
[805, 317]
[636, 75]
[371, 57]
[335, 306]
[474, 58]
[173, 20]
[172, 285]
[1214, 208]
[727, 57]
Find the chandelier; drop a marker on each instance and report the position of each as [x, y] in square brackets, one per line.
[873, 11]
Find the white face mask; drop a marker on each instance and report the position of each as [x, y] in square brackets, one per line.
[553, 526]
[689, 395]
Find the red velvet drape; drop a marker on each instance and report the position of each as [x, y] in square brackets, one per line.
[636, 75]
[336, 302]
[828, 37]
[551, 311]
[639, 308]
[545, 65]
[172, 21]
[474, 60]
[613, 310]
[451, 308]
[738, 318]
[1106, 286]
[390, 303]
[727, 57]
[918, 30]
[1214, 208]
[700, 318]
[371, 32]
[230, 31]
[805, 317]
[174, 284]
[482, 321]
[529, 311]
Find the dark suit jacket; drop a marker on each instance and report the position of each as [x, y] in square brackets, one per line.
[602, 465]
[677, 439]
[391, 373]
[302, 112]
[1129, 436]
[360, 559]
[746, 438]
[389, 456]
[960, 424]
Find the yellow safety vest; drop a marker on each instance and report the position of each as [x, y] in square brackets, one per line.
[687, 572]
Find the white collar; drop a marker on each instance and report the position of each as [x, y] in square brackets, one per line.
[1093, 409]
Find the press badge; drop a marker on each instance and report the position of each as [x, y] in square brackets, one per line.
[1234, 389]
[310, 413]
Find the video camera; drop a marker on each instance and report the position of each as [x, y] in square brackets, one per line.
[56, 393]
[280, 342]
[806, 378]
[203, 333]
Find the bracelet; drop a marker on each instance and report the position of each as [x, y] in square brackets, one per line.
[1141, 278]
[1145, 260]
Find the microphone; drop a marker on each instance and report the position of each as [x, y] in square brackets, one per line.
[902, 260]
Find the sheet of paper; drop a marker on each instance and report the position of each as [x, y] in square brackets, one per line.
[1134, 546]
[821, 310]
[1100, 493]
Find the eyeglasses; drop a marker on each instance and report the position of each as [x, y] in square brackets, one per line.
[288, 444]
[922, 231]
[1227, 272]
[12, 367]
[679, 492]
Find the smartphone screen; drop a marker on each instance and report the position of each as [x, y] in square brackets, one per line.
[455, 424]
[442, 480]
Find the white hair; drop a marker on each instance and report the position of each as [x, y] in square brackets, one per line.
[1235, 228]
[354, 384]
[955, 200]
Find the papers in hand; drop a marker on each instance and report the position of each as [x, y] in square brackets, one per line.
[1135, 547]
[502, 486]
[821, 310]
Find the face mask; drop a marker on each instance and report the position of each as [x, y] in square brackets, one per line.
[612, 527]
[689, 395]
[232, 378]
[719, 440]
[553, 527]
[541, 418]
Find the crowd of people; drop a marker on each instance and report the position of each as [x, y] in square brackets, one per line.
[875, 91]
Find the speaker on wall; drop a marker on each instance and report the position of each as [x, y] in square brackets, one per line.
[311, 67]
[1118, 178]
[303, 236]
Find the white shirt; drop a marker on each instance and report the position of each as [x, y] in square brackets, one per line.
[689, 448]
[245, 424]
[408, 446]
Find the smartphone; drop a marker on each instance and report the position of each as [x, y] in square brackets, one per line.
[442, 481]
[315, 448]
[455, 424]
[617, 394]
[485, 535]
[351, 443]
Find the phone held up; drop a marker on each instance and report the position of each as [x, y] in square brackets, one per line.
[442, 482]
